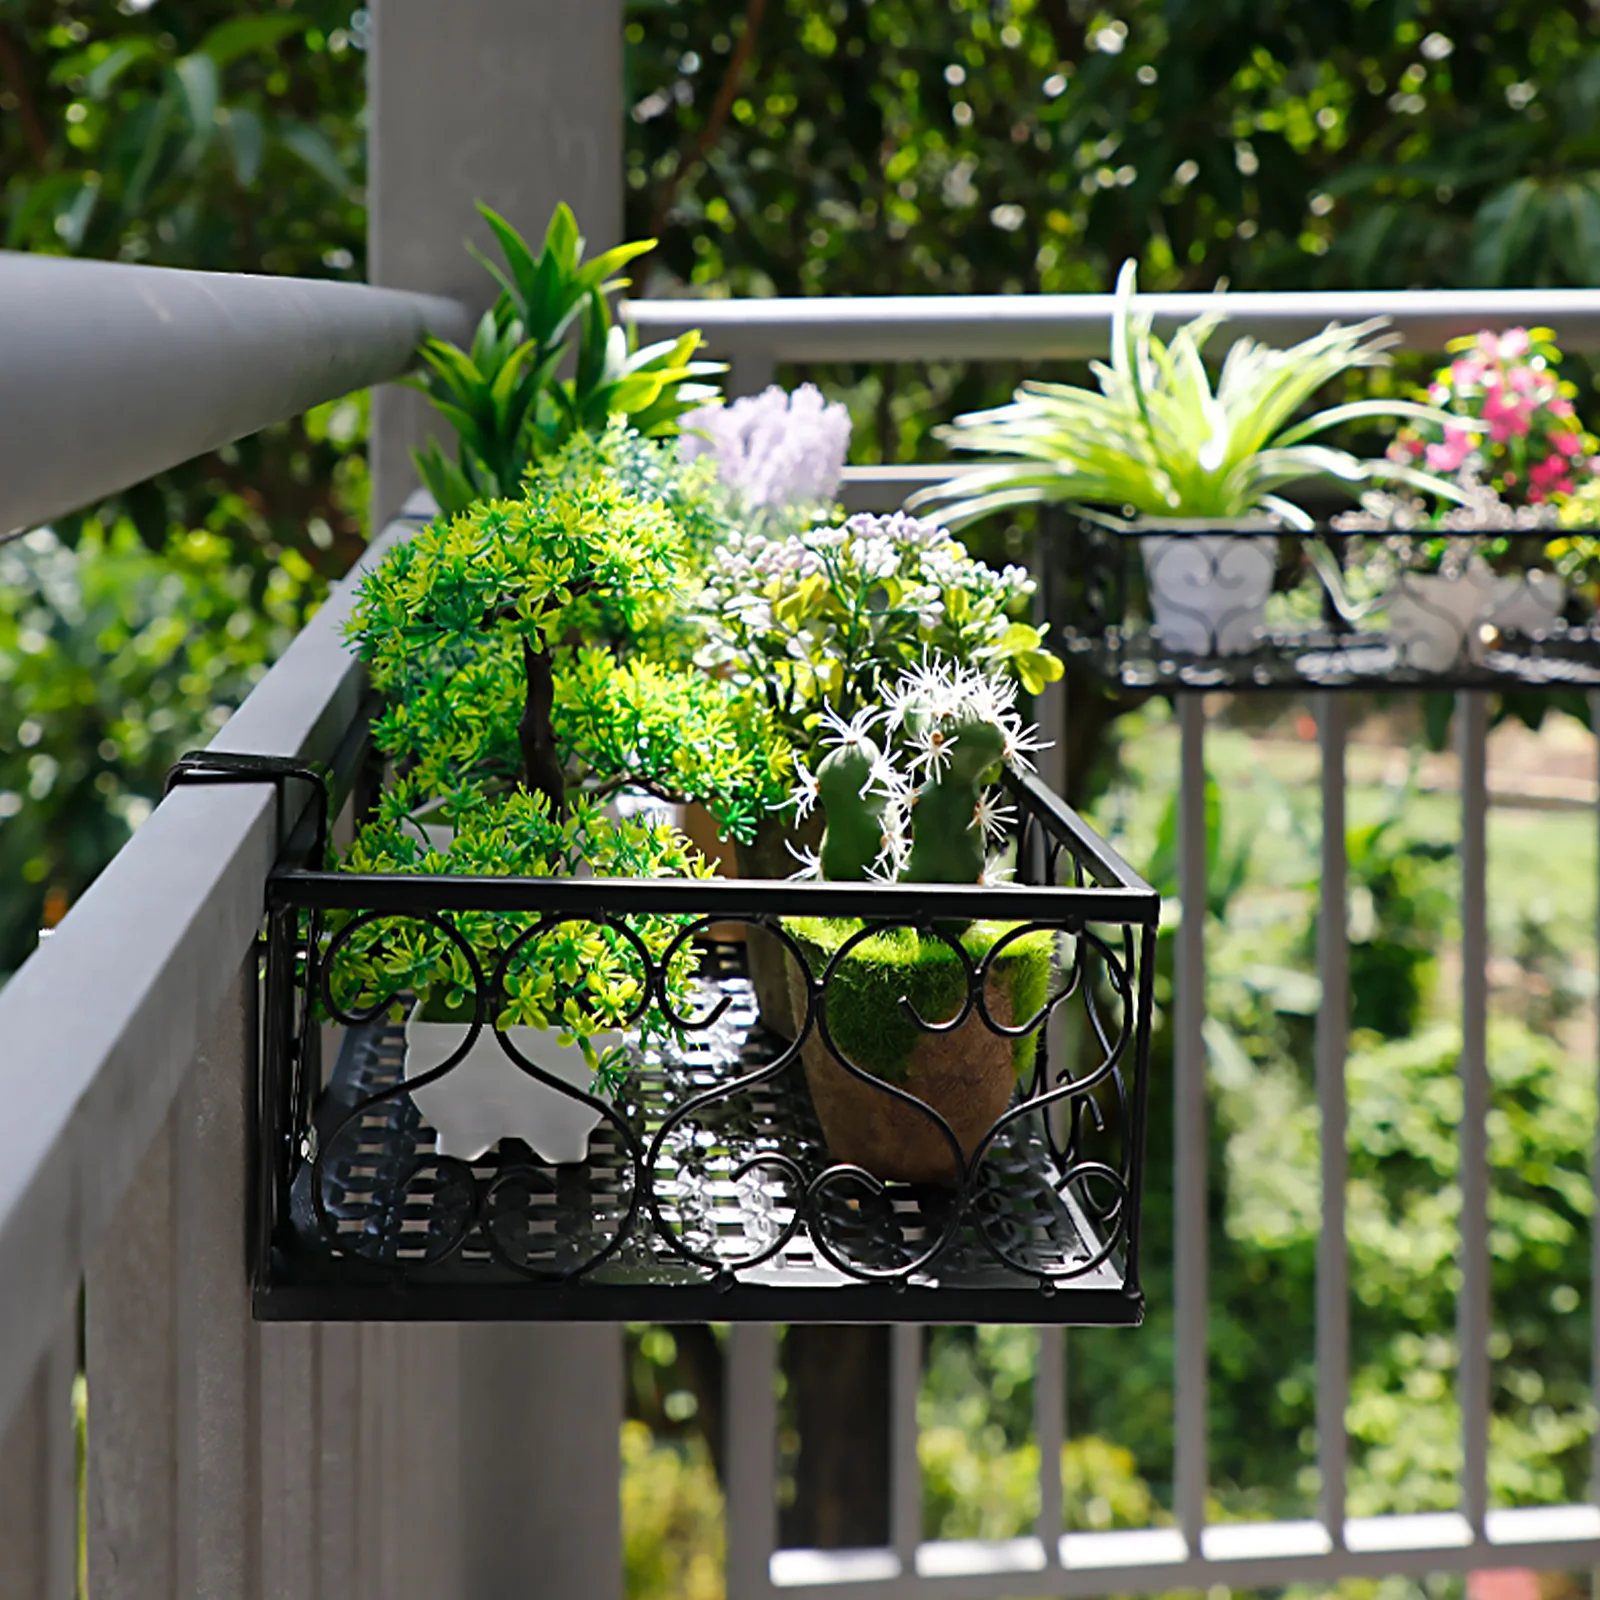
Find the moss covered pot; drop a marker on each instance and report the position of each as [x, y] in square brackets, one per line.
[966, 1075]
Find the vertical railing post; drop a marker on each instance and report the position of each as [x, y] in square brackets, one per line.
[905, 1469]
[751, 1421]
[1190, 1130]
[517, 103]
[1473, 1309]
[38, 1480]
[1049, 1428]
[1332, 1037]
[1594, 1224]
[174, 1446]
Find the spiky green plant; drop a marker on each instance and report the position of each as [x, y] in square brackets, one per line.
[502, 394]
[1158, 438]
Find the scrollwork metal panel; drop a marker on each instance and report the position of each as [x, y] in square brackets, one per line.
[709, 1190]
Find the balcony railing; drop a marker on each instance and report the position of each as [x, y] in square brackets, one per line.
[226, 1458]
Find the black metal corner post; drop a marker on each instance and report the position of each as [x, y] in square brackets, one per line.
[517, 103]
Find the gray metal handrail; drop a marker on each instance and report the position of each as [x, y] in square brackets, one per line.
[1036, 327]
[111, 373]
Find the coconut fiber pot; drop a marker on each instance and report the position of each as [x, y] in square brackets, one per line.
[966, 1075]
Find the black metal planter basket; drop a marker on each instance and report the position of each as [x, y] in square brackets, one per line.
[708, 1191]
[1169, 607]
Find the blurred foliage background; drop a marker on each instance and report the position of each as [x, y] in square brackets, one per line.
[906, 146]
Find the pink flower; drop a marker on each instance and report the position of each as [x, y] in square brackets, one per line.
[1465, 373]
[1447, 457]
[1548, 477]
[1438, 394]
[1524, 380]
[1561, 407]
[1506, 416]
[1569, 444]
[1514, 342]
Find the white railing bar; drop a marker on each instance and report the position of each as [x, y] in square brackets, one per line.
[1473, 1308]
[110, 373]
[1049, 1428]
[1190, 1245]
[1333, 1266]
[751, 1419]
[1039, 327]
[884, 488]
[905, 1470]
[101, 1022]
[1152, 1560]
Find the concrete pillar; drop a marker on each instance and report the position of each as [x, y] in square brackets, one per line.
[517, 103]
[514, 102]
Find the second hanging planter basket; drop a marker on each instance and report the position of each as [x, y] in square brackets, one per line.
[1154, 604]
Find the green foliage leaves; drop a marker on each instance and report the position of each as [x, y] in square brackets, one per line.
[579, 977]
[114, 660]
[202, 139]
[1156, 438]
[503, 398]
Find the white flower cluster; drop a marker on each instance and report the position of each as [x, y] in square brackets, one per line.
[1483, 511]
[851, 618]
[773, 449]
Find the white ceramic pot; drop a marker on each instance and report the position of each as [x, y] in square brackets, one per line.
[487, 1097]
[1528, 601]
[1208, 591]
[1431, 615]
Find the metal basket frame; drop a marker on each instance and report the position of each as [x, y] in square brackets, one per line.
[1098, 580]
[1042, 1226]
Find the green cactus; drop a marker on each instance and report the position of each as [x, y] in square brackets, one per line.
[852, 841]
[961, 753]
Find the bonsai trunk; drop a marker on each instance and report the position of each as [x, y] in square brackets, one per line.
[541, 763]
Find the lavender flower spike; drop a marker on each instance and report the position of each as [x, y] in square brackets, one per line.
[774, 449]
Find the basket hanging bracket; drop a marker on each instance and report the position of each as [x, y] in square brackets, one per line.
[205, 767]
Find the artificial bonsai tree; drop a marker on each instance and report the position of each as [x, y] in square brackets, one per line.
[508, 728]
[920, 804]
[475, 630]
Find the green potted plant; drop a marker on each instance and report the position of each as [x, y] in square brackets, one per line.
[820, 621]
[1201, 471]
[560, 996]
[475, 632]
[507, 736]
[546, 363]
[917, 805]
